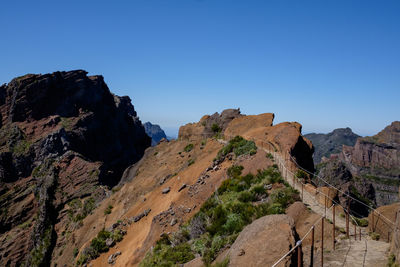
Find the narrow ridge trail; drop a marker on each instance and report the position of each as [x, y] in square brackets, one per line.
[348, 251]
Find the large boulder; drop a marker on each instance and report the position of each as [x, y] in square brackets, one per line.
[263, 242]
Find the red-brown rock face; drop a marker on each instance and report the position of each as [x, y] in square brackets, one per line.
[62, 136]
[375, 161]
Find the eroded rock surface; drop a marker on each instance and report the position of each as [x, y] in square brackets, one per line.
[263, 242]
[369, 171]
[64, 138]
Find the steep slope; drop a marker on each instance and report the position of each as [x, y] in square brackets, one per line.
[370, 170]
[64, 138]
[331, 143]
[173, 180]
[155, 132]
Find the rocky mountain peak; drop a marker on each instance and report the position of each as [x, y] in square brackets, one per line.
[155, 132]
[63, 137]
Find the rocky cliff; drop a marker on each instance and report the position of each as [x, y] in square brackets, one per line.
[370, 170]
[64, 139]
[331, 143]
[155, 132]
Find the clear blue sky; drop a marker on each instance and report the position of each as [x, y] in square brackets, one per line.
[325, 64]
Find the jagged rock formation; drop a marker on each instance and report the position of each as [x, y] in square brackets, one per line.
[63, 138]
[155, 132]
[370, 170]
[331, 143]
[209, 126]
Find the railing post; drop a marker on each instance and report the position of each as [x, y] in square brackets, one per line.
[372, 219]
[299, 255]
[333, 227]
[312, 247]
[347, 220]
[322, 241]
[355, 231]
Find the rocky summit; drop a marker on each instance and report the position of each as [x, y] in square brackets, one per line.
[64, 140]
[331, 143]
[155, 132]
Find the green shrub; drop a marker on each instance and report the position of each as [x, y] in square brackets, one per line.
[164, 255]
[245, 196]
[284, 196]
[258, 189]
[363, 222]
[215, 128]
[117, 235]
[108, 210]
[269, 155]
[276, 208]
[180, 254]
[233, 224]
[374, 236]
[188, 148]
[239, 146]
[98, 245]
[200, 244]
[75, 252]
[217, 220]
[224, 263]
[300, 174]
[235, 171]
[190, 162]
[392, 261]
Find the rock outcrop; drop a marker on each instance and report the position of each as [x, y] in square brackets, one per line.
[208, 126]
[263, 242]
[63, 139]
[369, 171]
[155, 132]
[331, 143]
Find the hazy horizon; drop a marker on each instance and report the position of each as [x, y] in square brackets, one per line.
[326, 65]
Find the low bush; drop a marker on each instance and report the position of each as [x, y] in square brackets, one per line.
[215, 128]
[108, 210]
[374, 236]
[363, 222]
[188, 148]
[98, 245]
[239, 146]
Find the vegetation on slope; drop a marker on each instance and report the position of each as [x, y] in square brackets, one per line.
[239, 200]
[239, 146]
[99, 245]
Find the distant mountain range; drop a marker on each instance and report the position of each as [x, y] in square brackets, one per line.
[331, 143]
[155, 132]
[369, 169]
